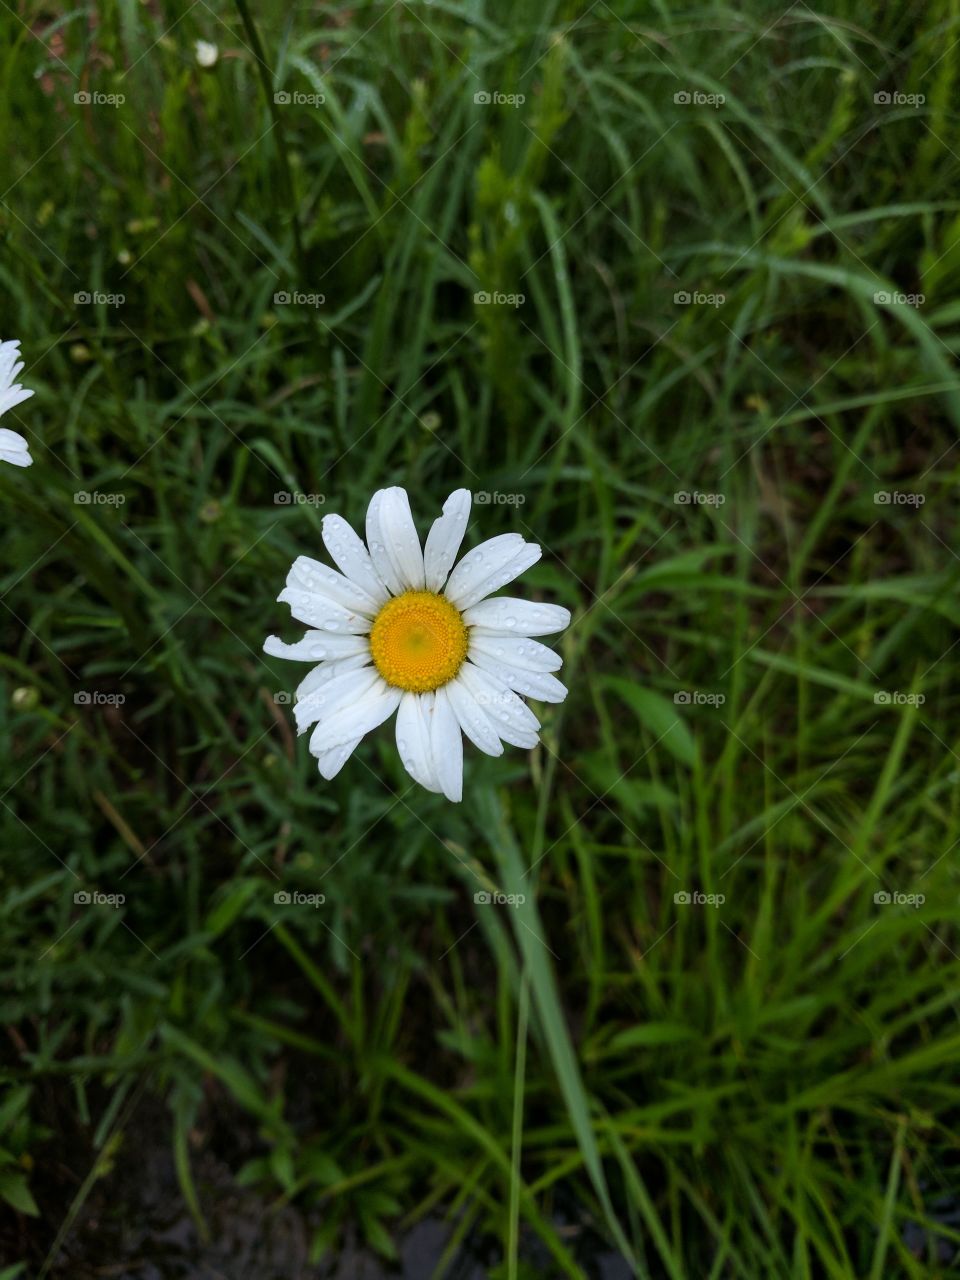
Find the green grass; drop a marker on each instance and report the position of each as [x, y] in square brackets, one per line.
[764, 1086]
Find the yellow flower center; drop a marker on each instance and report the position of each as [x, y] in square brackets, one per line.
[418, 641]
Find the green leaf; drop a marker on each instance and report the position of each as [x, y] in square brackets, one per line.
[232, 903]
[651, 1034]
[14, 1189]
[657, 714]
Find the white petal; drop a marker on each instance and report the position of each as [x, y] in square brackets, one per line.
[489, 567]
[322, 674]
[331, 762]
[377, 546]
[13, 396]
[446, 746]
[364, 714]
[518, 617]
[400, 537]
[478, 564]
[16, 457]
[444, 538]
[326, 615]
[413, 739]
[12, 440]
[326, 584]
[317, 646]
[532, 684]
[10, 362]
[528, 555]
[351, 557]
[473, 719]
[513, 719]
[329, 688]
[11, 393]
[516, 651]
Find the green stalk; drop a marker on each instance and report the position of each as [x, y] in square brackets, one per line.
[266, 80]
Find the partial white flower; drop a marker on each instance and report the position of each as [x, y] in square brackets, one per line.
[206, 53]
[400, 629]
[13, 447]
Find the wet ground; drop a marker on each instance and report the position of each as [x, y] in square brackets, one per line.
[134, 1226]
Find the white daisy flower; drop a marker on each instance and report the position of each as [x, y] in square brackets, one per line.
[13, 447]
[396, 630]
